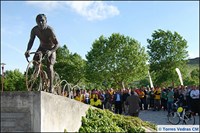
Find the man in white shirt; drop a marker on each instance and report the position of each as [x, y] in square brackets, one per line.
[194, 94]
[118, 102]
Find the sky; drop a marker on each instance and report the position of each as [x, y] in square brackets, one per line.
[77, 24]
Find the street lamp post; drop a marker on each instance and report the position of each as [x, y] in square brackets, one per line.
[2, 75]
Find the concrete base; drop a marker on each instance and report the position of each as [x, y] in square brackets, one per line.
[40, 112]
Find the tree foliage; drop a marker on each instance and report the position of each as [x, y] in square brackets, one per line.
[115, 60]
[195, 76]
[70, 66]
[188, 81]
[62, 54]
[14, 81]
[167, 51]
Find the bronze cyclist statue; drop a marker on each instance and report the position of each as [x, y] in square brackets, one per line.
[48, 45]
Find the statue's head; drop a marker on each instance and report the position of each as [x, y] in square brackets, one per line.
[41, 21]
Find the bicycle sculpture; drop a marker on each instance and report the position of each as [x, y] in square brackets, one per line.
[181, 114]
[69, 88]
[36, 76]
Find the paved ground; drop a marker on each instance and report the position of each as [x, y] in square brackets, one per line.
[159, 117]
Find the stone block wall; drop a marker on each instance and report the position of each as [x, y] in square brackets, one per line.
[40, 112]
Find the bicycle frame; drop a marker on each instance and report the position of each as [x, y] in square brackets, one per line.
[181, 114]
[43, 83]
[38, 72]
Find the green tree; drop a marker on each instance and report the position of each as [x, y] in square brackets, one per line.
[188, 81]
[144, 82]
[167, 51]
[195, 76]
[62, 54]
[116, 60]
[14, 81]
[70, 66]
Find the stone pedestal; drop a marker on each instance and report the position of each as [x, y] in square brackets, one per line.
[40, 112]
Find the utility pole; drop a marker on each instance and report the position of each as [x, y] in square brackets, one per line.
[2, 75]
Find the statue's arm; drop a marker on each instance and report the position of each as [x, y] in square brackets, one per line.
[55, 41]
[31, 40]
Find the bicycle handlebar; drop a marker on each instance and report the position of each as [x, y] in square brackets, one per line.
[31, 53]
[177, 104]
[38, 52]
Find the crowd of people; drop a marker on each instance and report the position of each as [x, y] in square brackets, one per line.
[130, 101]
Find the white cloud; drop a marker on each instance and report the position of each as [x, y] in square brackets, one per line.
[91, 10]
[46, 5]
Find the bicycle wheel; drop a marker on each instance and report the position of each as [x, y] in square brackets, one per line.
[44, 83]
[189, 118]
[57, 85]
[174, 118]
[33, 81]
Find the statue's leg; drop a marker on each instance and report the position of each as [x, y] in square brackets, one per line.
[50, 71]
[50, 76]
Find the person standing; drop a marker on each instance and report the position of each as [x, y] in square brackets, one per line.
[108, 101]
[151, 95]
[118, 102]
[157, 102]
[164, 98]
[188, 98]
[142, 97]
[170, 100]
[133, 102]
[194, 94]
[124, 96]
[87, 97]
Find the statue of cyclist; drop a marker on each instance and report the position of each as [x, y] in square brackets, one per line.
[48, 45]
